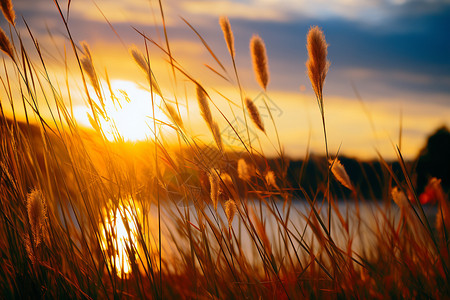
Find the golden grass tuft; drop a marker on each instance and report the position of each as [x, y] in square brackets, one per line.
[254, 114]
[260, 61]
[317, 64]
[8, 11]
[228, 35]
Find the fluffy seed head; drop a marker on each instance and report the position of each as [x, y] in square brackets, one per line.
[204, 106]
[317, 64]
[227, 181]
[214, 185]
[8, 11]
[341, 175]
[172, 113]
[230, 211]
[260, 62]
[139, 59]
[254, 114]
[142, 63]
[37, 214]
[5, 45]
[243, 170]
[399, 197]
[217, 136]
[88, 67]
[228, 34]
[271, 179]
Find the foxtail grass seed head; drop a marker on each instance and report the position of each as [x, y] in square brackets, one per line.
[260, 62]
[227, 181]
[139, 59]
[8, 11]
[228, 34]
[204, 106]
[173, 115]
[5, 45]
[254, 114]
[340, 174]
[217, 136]
[399, 197]
[37, 214]
[142, 63]
[230, 211]
[243, 170]
[271, 179]
[317, 64]
[88, 67]
[214, 185]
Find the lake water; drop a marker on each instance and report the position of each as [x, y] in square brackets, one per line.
[363, 228]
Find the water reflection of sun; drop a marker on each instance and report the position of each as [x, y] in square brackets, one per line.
[130, 115]
[119, 237]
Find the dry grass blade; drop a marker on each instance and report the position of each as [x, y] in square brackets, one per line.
[260, 62]
[205, 44]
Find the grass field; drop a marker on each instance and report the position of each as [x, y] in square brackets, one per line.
[86, 214]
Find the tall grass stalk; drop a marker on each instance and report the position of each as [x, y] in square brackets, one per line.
[317, 68]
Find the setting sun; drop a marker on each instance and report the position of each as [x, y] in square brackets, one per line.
[130, 115]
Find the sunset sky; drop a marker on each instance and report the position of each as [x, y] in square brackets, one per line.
[395, 53]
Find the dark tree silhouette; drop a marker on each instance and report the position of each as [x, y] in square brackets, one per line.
[434, 160]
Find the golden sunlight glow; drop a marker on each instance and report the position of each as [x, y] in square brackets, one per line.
[115, 239]
[129, 116]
